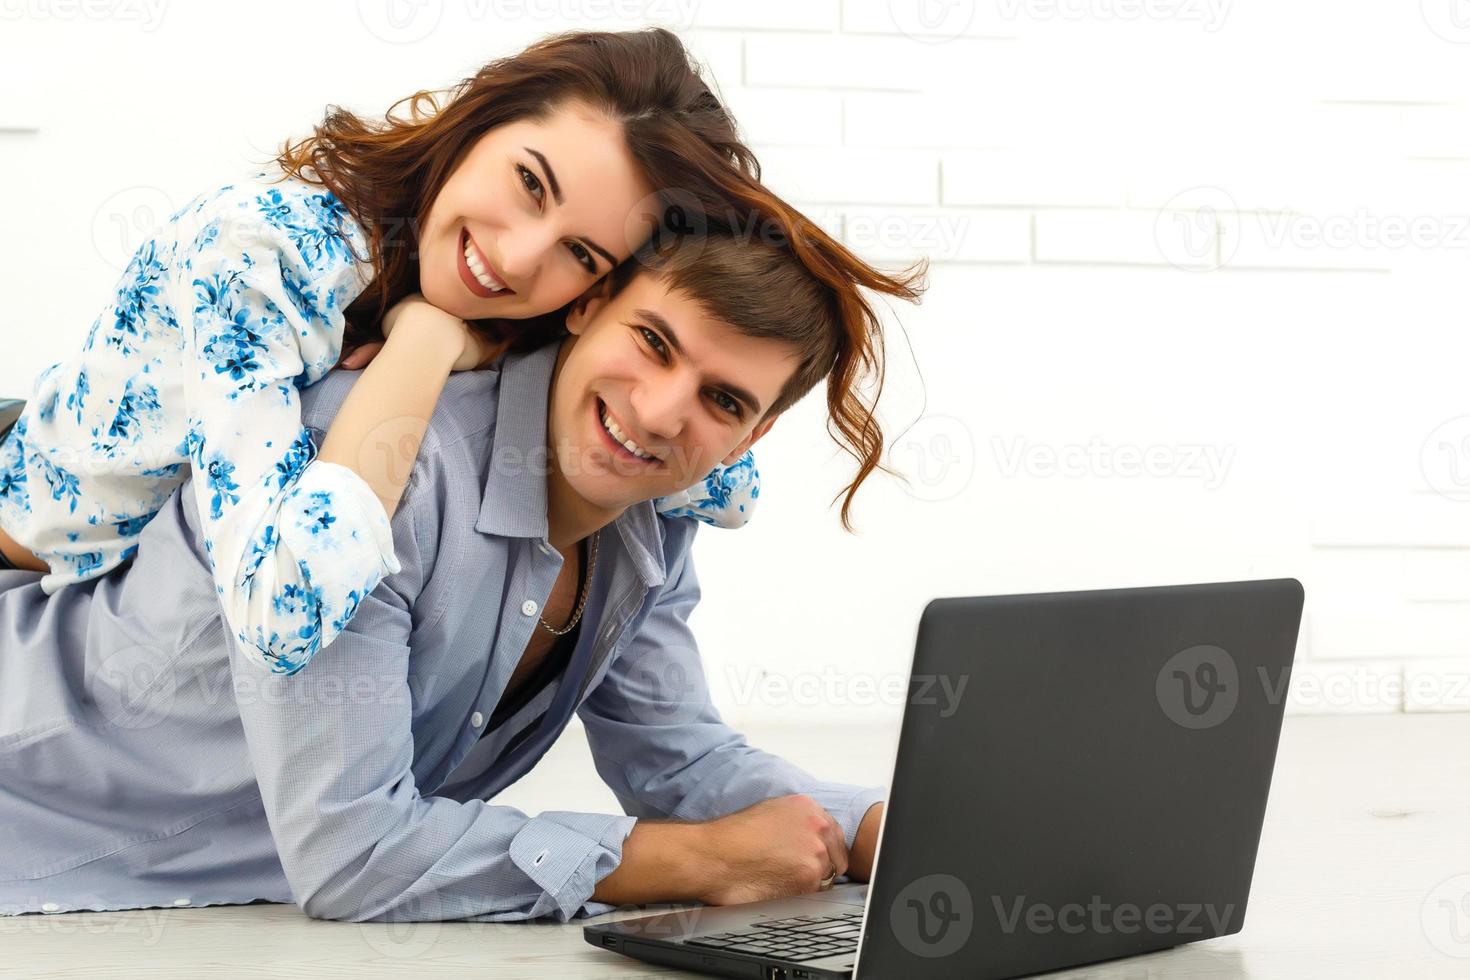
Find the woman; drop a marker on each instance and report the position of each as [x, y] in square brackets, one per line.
[540, 174]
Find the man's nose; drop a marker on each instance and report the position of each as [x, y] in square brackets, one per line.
[662, 407]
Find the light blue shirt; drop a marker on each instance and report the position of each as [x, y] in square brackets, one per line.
[141, 765]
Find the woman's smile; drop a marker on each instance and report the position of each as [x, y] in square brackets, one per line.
[475, 270]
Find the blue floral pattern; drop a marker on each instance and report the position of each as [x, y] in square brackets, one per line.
[725, 498]
[220, 318]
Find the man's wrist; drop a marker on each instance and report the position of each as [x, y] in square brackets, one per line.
[664, 862]
[865, 843]
[699, 861]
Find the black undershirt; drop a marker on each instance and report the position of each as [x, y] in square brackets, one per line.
[551, 666]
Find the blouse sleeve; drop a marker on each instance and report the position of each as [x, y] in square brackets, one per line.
[294, 544]
[724, 498]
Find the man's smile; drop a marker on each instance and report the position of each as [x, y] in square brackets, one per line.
[615, 436]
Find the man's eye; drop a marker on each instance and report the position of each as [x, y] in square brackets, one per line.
[654, 341]
[531, 182]
[727, 403]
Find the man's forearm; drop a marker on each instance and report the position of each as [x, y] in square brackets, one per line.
[662, 862]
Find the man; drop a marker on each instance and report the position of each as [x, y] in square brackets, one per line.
[141, 764]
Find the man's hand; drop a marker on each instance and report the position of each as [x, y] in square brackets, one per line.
[860, 858]
[775, 849]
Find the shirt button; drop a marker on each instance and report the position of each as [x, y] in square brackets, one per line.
[181, 902]
[528, 608]
[50, 907]
[476, 720]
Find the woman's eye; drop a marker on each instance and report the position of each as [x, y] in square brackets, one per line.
[583, 256]
[530, 181]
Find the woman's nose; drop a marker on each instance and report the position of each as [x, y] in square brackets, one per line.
[522, 251]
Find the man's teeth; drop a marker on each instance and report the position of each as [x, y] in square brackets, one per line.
[482, 275]
[620, 436]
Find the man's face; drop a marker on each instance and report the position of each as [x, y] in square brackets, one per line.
[534, 214]
[653, 368]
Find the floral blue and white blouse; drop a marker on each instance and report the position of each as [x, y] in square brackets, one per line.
[222, 316]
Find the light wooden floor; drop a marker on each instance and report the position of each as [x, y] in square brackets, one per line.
[1364, 864]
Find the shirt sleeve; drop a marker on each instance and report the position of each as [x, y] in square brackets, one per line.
[660, 744]
[724, 498]
[294, 544]
[333, 755]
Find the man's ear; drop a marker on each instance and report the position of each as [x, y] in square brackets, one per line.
[755, 436]
[585, 307]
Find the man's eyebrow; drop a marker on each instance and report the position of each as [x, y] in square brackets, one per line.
[556, 196]
[659, 321]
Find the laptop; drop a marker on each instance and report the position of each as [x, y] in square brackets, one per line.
[1091, 787]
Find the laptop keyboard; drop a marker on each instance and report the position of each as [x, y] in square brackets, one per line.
[801, 938]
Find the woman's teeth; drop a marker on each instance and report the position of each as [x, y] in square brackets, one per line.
[622, 438]
[483, 276]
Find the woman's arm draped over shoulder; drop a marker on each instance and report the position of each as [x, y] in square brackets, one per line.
[294, 542]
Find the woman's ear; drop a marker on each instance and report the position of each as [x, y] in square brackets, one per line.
[586, 307]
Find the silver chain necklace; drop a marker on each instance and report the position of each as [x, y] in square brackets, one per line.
[586, 590]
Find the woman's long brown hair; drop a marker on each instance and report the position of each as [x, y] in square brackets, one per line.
[388, 174]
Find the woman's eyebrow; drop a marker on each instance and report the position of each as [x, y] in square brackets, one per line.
[557, 197]
[550, 174]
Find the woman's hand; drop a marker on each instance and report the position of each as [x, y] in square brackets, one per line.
[359, 357]
[476, 352]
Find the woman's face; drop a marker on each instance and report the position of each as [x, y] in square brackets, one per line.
[535, 212]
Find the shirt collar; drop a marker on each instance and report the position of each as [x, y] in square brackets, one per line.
[515, 503]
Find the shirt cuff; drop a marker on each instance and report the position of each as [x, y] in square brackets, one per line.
[566, 854]
[320, 474]
[847, 804]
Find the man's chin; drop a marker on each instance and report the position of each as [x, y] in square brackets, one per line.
[613, 495]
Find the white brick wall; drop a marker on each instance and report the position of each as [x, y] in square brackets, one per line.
[1185, 223]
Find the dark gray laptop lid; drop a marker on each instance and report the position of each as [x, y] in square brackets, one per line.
[1080, 776]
